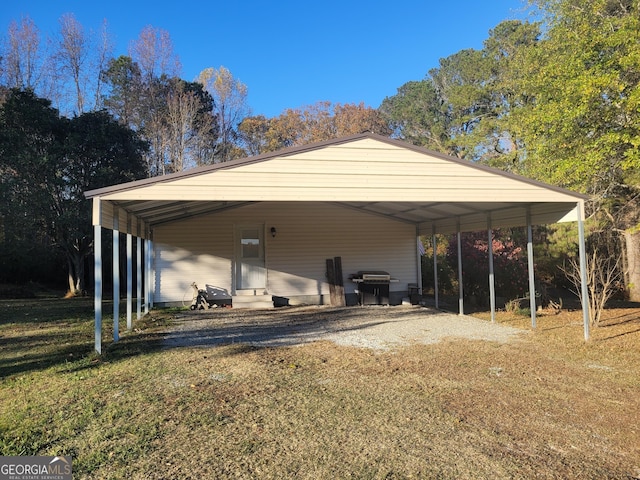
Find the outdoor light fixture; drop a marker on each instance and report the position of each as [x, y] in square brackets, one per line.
[273, 232]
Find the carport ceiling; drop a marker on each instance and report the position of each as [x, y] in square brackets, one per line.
[443, 217]
[369, 173]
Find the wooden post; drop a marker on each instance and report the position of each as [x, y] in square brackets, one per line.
[339, 281]
[331, 279]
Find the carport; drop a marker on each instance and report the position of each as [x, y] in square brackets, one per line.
[423, 192]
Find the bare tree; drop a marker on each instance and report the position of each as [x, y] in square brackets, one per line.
[153, 52]
[80, 59]
[230, 107]
[181, 131]
[103, 53]
[153, 55]
[71, 57]
[187, 126]
[155, 133]
[22, 56]
[604, 275]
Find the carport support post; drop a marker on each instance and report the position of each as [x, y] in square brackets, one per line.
[150, 271]
[138, 273]
[97, 270]
[461, 293]
[530, 266]
[129, 273]
[116, 275]
[492, 286]
[419, 255]
[146, 275]
[583, 270]
[435, 266]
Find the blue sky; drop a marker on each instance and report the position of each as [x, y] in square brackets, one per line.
[294, 53]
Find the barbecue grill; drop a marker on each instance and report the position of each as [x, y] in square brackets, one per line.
[373, 287]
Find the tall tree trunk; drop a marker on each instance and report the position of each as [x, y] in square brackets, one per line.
[632, 241]
[70, 276]
[75, 262]
[79, 268]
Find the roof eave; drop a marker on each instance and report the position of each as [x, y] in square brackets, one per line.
[316, 146]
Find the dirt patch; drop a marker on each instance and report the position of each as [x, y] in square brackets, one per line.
[373, 327]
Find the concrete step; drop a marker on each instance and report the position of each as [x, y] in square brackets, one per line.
[252, 301]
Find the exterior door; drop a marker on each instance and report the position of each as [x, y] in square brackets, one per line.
[250, 266]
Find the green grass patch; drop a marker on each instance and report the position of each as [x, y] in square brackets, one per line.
[534, 408]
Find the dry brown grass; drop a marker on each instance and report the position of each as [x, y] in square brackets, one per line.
[548, 406]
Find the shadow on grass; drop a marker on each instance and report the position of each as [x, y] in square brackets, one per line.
[28, 361]
[45, 310]
[38, 334]
[162, 330]
[140, 344]
[620, 320]
[40, 352]
[618, 335]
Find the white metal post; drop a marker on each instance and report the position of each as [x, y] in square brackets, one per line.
[461, 293]
[129, 278]
[97, 295]
[145, 287]
[146, 276]
[138, 276]
[583, 270]
[492, 286]
[419, 256]
[116, 276]
[530, 267]
[151, 282]
[435, 267]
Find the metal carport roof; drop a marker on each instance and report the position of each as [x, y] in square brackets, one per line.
[373, 174]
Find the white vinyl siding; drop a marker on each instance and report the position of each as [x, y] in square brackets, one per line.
[363, 170]
[201, 249]
[196, 250]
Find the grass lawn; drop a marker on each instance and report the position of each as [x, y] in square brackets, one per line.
[548, 406]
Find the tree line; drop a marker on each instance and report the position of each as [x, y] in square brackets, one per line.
[555, 99]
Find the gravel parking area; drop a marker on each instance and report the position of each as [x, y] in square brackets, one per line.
[374, 327]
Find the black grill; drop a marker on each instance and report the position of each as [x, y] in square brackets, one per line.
[372, 287]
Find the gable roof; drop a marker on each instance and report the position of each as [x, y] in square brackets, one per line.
[367, 172]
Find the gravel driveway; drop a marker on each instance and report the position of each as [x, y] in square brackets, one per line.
[375, 327]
